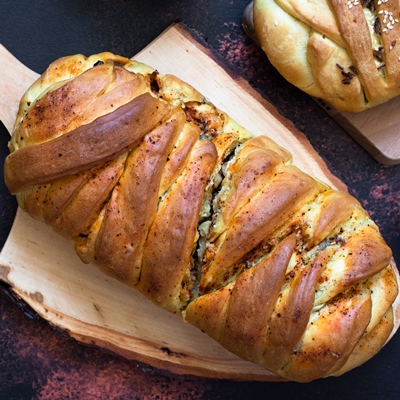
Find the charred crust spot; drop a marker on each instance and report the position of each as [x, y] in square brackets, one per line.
[348, 75]
[377, 26]
[368, 4]
[154, 82]
[353, 69]
[378, 53]
[381, 66]
[297, 315]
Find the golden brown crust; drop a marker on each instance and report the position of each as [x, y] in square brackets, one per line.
[342, 51]
[132, 207]
[248, 334]
[172, 237]
[183, 204]
[84, 147]
[272, 207]
[369, 345]
[331, 338]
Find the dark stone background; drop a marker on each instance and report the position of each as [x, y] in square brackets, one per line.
[36, 361]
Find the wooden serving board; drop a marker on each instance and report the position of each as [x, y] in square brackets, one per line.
[377, 130]
[43, 269]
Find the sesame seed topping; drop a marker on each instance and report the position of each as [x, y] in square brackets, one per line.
[388, 20]
[352, 3]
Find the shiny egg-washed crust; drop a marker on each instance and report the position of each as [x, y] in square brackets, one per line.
[346, 52]
[165, 192]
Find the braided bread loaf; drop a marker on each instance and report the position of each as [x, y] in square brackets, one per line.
[346, 52]
[165, 192]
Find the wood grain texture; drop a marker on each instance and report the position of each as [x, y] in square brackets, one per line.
[376, 129]
[44, 270]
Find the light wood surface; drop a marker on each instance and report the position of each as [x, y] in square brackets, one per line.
[377, 130]
[44, 270]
